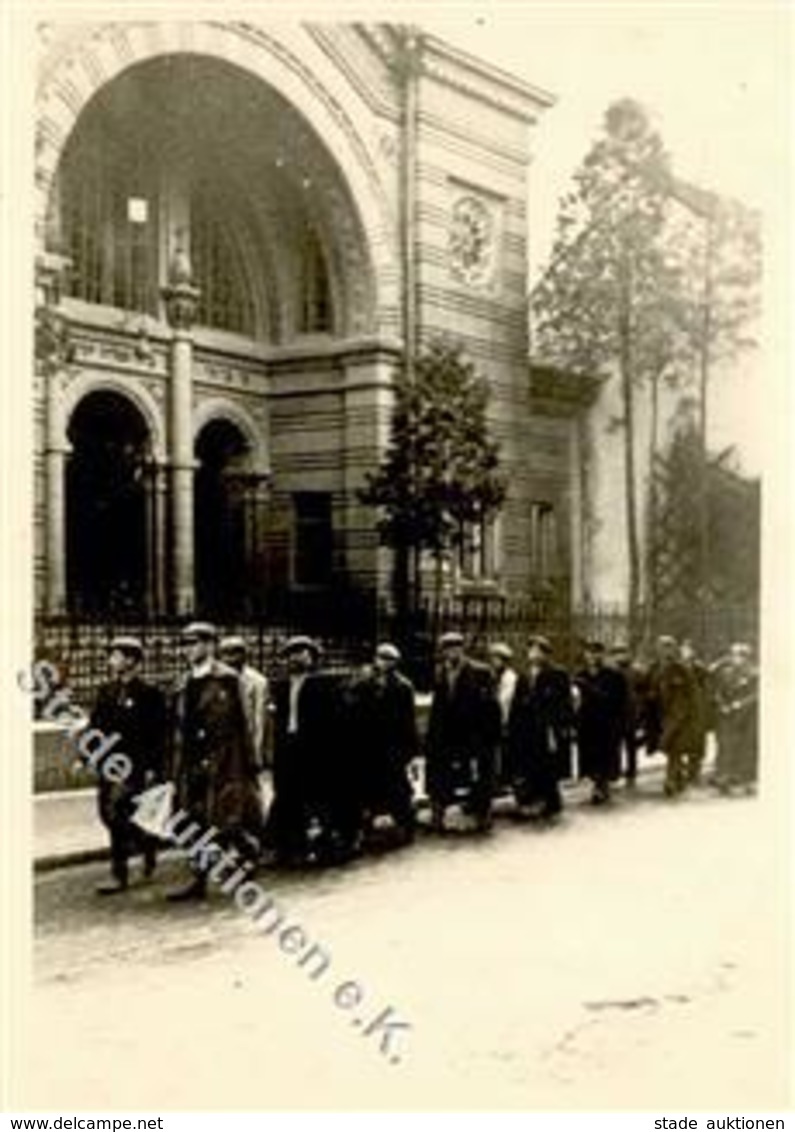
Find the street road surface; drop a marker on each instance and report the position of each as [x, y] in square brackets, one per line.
[634, 957]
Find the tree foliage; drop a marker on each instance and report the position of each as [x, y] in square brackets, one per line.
[440, 471]
[733, 518]
[650, 279]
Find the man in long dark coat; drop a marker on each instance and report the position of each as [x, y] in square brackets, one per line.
[672, 716]
[213, 762]
[314, 799]
[637, 680]
[540, 738]
[702, 709]
[601, 697]
[382, 728]
[134, 710]
[462, 737]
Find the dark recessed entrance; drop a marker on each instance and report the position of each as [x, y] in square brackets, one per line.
[106, 506]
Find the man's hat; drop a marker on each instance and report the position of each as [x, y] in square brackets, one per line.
[667, 639]
[593, 645]
[300, 642]
[539, 639]
[200, 630]
[233, 644]
[130, 646]
[388, 651]
[451, 640]
[502, 650]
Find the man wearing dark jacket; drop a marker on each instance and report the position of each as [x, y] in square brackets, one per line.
[312, 788]
[213, 763]
[601, 697]
[540, 739]
[672, 716]
[637, 693]
[702, 709]
[382, 726]
[134, 710]
[463, 733]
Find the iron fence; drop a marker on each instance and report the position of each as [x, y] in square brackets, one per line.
[348, 630]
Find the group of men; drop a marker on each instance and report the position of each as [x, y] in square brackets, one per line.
[344, 750]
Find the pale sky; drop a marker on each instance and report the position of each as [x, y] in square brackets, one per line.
[715, 78]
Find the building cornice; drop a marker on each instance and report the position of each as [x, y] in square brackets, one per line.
[483, 81]
[563, 392]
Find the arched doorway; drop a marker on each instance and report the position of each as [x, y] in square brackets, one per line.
[107, 491]
[224, 553]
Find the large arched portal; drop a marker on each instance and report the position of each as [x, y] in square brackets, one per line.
[190, 151]
[107, 493]
[220, 247]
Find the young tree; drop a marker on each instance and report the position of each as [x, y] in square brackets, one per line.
[440, 471]
[733, 525]
[605, 301]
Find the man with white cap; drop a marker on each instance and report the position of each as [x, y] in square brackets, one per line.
[135, 711]
[213, 763]
[254, 687]
[463, 732]
[383, 733]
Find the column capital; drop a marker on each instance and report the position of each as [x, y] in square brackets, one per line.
[180, 294]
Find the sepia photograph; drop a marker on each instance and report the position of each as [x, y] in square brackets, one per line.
[393, 631]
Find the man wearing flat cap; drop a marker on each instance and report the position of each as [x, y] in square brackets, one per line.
[540, 732]
[462, 737]
[672, 711]
[384, 740]
[505, 680]
[254, 688]
[308, 781]
[135, 711]
[602, 699]
[213, 763]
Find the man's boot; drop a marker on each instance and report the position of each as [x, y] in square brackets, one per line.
[118, 881]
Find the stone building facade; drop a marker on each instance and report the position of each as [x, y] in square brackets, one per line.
[242, 231]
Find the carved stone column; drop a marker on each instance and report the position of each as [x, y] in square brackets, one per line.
[54, 352]
[157, 542]
[181, 300]
[257, 506]
[56, 460]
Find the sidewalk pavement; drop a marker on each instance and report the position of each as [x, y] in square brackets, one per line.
[67, 829]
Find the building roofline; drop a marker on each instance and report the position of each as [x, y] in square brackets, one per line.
[442, 49]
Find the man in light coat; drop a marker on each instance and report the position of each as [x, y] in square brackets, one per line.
[254, 689]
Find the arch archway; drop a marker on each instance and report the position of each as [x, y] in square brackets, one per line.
[225, 532]
[318, 157]
[108, 546]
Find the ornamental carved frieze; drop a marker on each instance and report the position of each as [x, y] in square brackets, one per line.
[473, 240]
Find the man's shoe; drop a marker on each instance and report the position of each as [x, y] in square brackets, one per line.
[111, 887]
[195, 890]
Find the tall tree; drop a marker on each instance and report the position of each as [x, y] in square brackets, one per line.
[440, 471]
[605, 301]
